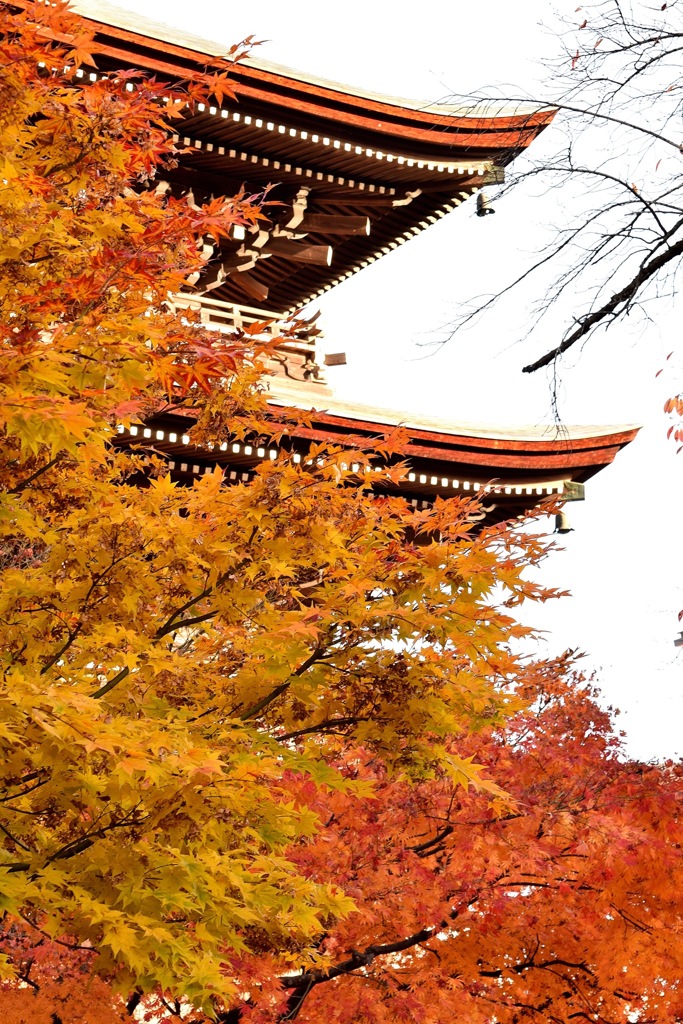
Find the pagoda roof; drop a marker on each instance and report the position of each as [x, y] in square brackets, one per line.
[511, 469]
[481, 454]
[357, 173]
[182, 47]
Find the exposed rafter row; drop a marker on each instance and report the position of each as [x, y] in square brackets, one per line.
[324, 141]
[481, 168]
[539, 489]
[277, 165]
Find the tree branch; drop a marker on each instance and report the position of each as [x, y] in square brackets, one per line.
[18, 488]
[118, 678]
[302, 984]
[324, 726]
[647, 270]
[73, 634]
[274, 694]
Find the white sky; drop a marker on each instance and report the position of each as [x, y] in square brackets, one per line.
[623, 562]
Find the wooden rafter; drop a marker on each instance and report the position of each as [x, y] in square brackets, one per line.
[287, 249]
[335, 224]
[250, 285]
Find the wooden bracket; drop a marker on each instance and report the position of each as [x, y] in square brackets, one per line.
[298, 207]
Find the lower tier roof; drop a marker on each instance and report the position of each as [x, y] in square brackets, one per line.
[512, 471]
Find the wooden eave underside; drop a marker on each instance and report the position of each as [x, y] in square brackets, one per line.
[206, 166]
[401, 167]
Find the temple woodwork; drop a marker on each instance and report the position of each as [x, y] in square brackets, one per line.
[347, 177]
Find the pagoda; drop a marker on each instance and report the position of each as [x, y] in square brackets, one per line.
[354, 175]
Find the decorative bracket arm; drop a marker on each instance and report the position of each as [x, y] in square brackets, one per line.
[298, 208]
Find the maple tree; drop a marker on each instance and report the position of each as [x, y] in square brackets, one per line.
[172, 657]
[563, 904]
[251, 737]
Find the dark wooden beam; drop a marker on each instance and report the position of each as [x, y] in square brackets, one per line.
[335, 224]
[287, 249]
[355, 198]
[252, 287]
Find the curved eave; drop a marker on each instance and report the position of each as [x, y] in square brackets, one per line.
[127, 38]
[523, 452]
[433, 125]
[510, 455]
[463, 110]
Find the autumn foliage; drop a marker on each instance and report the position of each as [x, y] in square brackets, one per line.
[261, 756]
[564, 904]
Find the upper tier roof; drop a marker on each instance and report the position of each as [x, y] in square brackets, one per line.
[99, 11]
[357, 173]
